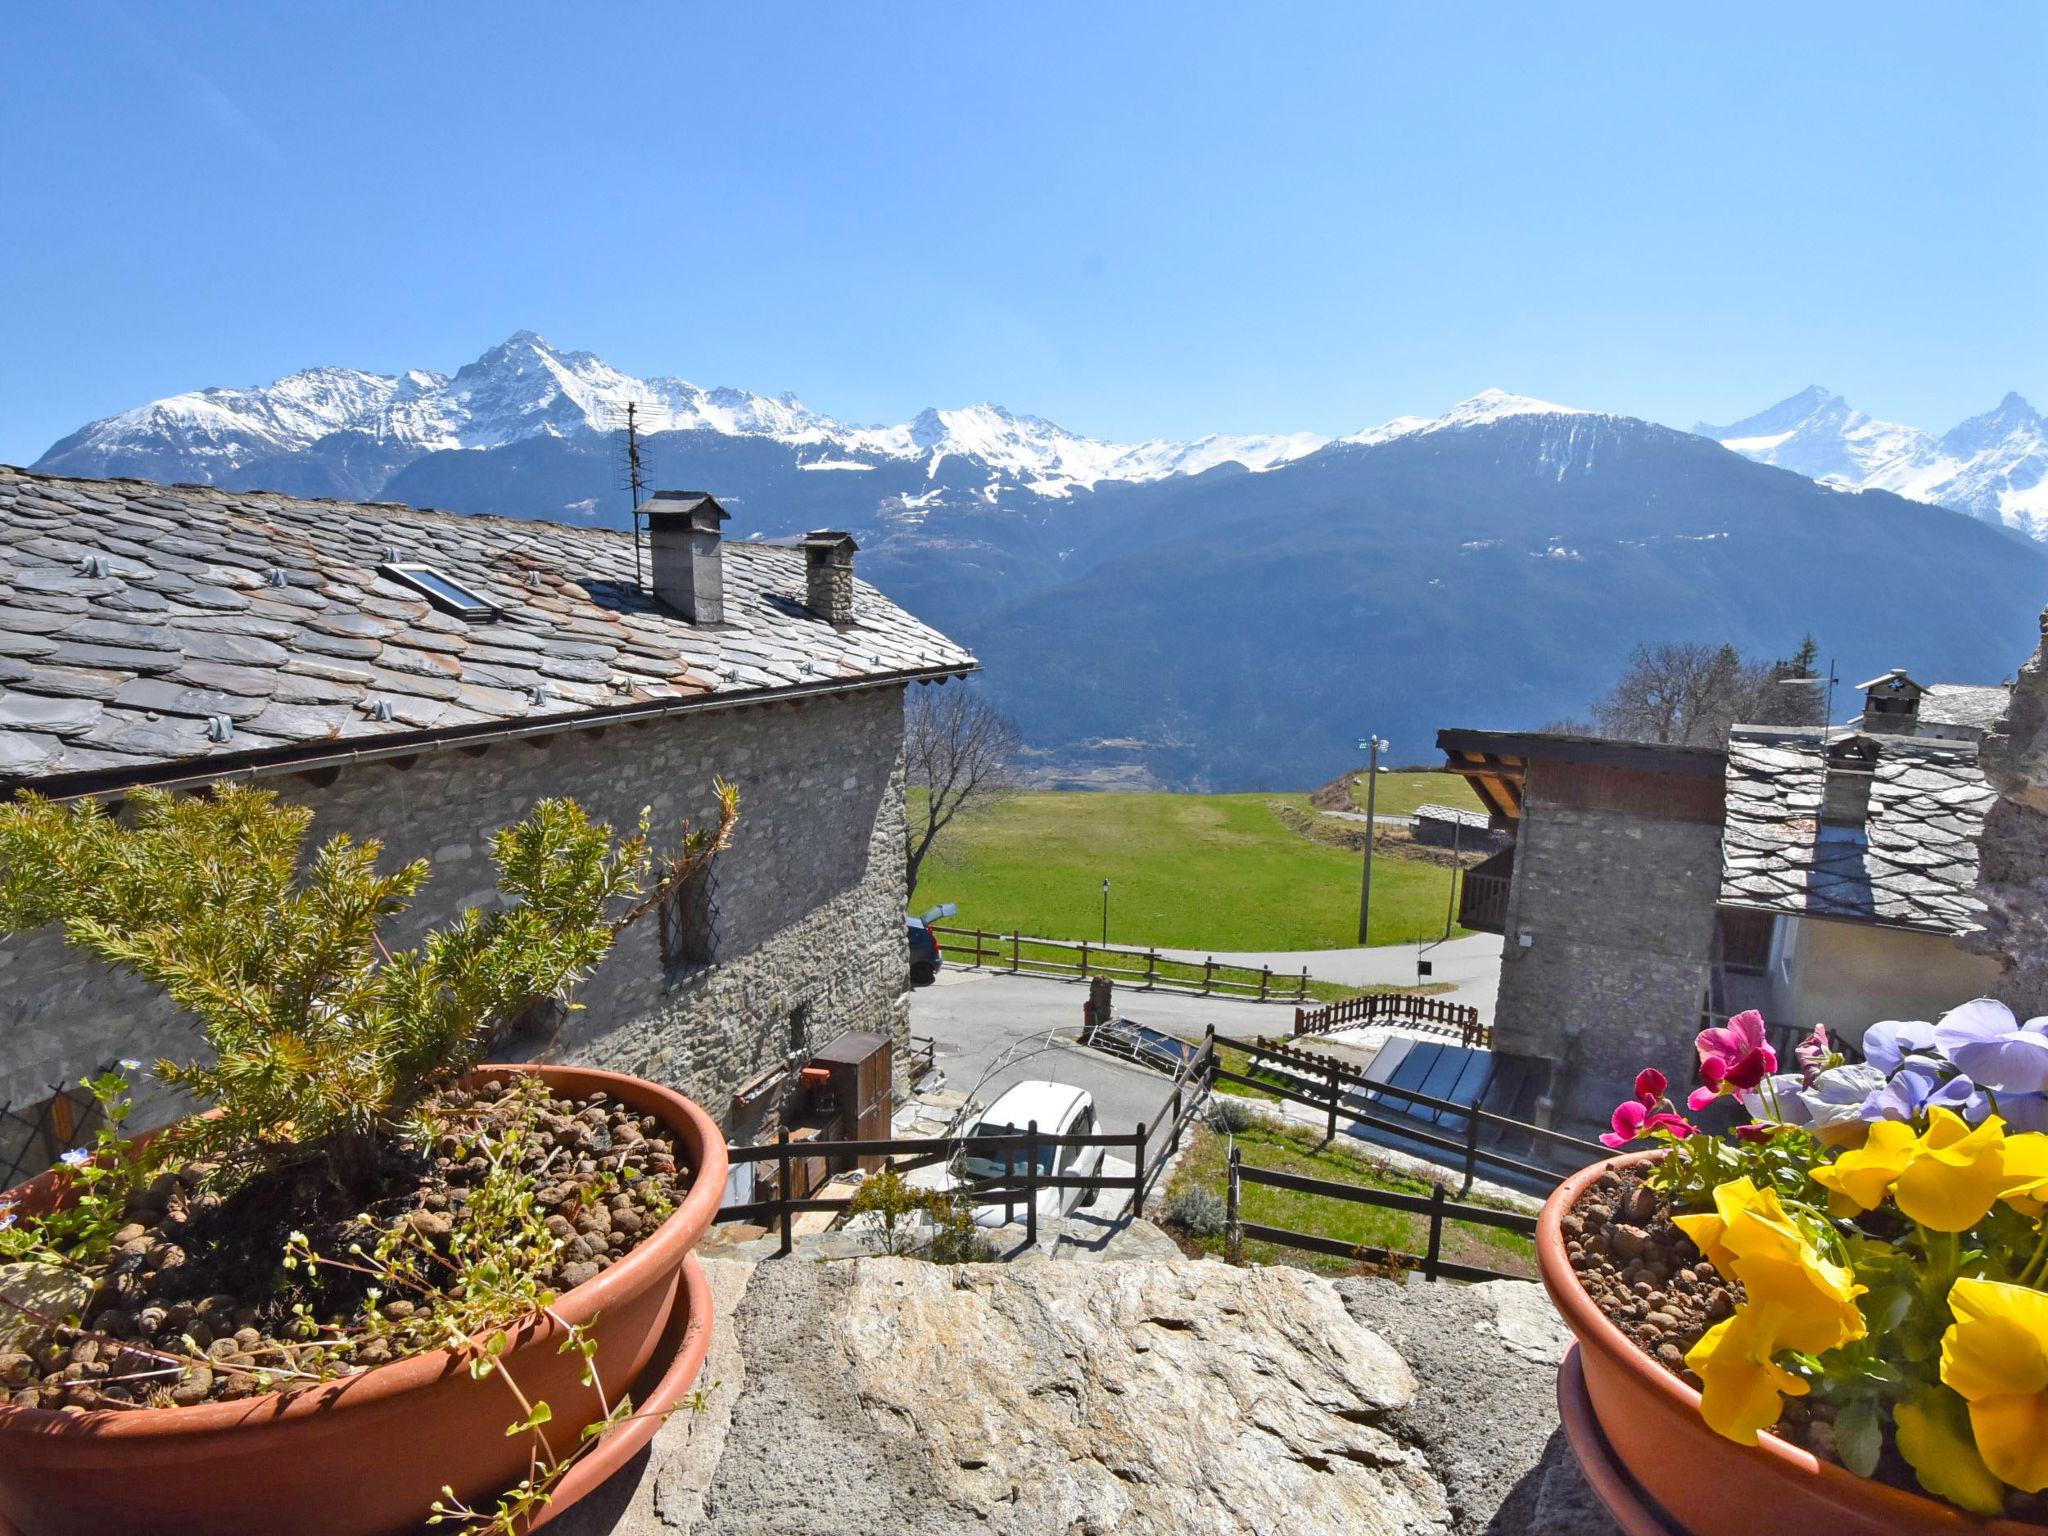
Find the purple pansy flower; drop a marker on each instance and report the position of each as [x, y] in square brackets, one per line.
[1887, 1043]
[1993, 1048]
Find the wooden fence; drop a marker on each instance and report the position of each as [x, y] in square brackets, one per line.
[1025, 955]
[1151, 1146]
[1436, 1207]
[1340, 1090]
[1433, 1015]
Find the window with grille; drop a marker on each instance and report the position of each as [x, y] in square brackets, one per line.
[689, 921]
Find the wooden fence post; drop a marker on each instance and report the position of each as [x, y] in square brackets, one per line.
[1138, 1176]
[1436, 1231]
[782, 1189]
[1331, 1072]
[1173, 1137]
[1151, 967]
[1301, 991]
[1233, 1239]
[1031, 1184]
[1015, 944]
[1265, 980]
[1084, 957]
[1208, 975]
[1300, 1019]
[1471, 1150]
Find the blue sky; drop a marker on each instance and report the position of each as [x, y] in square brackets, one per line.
[1134, 219]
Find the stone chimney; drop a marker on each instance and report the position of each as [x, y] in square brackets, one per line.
[828, 575]
[682, 530]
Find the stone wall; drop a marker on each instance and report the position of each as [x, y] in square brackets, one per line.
[2012, 854]
[1616, 903]
[807, 905]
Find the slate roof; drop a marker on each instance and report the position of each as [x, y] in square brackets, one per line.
[1963, 705]
[144, 625]
[1451, 813]
[1913, 866]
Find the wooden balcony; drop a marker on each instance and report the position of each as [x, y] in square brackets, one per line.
[1483, 897]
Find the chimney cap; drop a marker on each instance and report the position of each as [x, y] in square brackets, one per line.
[699, 508]
[830, 539]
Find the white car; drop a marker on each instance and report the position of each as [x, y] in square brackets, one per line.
[1059, 1110]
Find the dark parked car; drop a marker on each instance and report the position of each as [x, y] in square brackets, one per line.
[924, 952]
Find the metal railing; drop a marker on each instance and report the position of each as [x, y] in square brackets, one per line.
[1152, 1146]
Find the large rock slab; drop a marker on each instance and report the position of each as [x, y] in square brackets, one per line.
[1486, 1417]
[859, 1395]
[1133, 1396]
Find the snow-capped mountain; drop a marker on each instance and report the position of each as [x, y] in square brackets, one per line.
[340, 431]
[1993, 466]
[524, 388]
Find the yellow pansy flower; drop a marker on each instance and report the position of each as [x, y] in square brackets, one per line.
[2026, 1173]
[1796, 1299]
[1995, 1356]
[1742, 1390]
[1955, 1174]
[1859, 1180]
[1707, 1228]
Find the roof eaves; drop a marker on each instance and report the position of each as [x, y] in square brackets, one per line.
[309, 756]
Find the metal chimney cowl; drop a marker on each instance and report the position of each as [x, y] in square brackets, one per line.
[684, 545]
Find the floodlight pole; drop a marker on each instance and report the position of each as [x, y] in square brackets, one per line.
[1375, 747]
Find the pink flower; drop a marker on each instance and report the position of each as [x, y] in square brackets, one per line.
[1634, 1119]
[1643, 1114]
[1813, 1053]
[1732, 1060]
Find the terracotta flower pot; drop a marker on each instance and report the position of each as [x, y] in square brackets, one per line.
[370, 1453]
[1708, 1484]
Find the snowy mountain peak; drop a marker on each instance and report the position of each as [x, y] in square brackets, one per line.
[1994, 466]
[1489, 405]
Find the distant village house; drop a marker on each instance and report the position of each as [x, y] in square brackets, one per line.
[1820, 875]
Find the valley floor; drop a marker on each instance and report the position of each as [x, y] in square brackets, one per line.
[1196, 872]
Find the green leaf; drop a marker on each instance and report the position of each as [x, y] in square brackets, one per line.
[541, 1414]
[1858, 1437]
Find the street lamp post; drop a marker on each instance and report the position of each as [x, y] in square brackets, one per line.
[1105, 914]
[1375, 746]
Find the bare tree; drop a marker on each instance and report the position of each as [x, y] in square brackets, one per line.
[962, 753]
[1685, 693]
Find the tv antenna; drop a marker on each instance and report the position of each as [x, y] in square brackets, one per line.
[632, 462]
[1817, 681]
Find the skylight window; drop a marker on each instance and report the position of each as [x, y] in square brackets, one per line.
[447, 595]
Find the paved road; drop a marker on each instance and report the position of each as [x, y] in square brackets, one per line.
[994, 1030]
[1471, 965]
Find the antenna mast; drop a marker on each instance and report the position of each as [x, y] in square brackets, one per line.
[632, 466]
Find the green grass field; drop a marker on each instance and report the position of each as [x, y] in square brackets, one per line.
[1208, 872]
[1400, 793]
[1298, 1149]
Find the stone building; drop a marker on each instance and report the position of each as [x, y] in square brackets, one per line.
[1606, 900]
[423, 678]
[1819, 875]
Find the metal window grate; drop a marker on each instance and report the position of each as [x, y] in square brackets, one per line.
[33, 1136]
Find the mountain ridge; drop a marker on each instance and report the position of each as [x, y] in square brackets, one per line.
[1993, 466]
